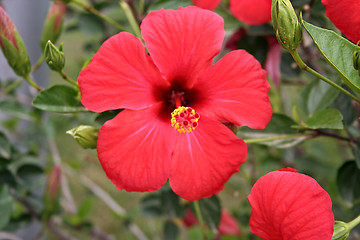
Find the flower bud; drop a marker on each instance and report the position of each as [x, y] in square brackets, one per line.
[51, 201]
[85, 135]
[13, 46]
[356, 60]
[53, 23]
[286, 25]
[54, 57]
[341, 231]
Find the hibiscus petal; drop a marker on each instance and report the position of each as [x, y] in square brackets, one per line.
[183, 43]
[254, 12]
[235, 90]
[134, 149]
[120, 75]
[207, 4]
[345, 16]
[204, 159]
[289, 205]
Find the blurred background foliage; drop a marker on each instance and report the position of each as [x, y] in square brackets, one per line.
[34, 146]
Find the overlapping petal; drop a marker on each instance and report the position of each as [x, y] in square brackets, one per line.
[345, 16]
[134, 149]
[120, 75]
[183, 42]
[207, 4]
[204, 159]
[235, 90]
[292, 206]
[254, 12]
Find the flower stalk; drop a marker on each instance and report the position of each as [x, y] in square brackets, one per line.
[98, 14]
[32, 83]
[200, 218]
[306, 68]
[131, 18]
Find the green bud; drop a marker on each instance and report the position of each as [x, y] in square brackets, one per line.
[85, 135]
[54, 57]
[13, 46]
[356, 60]
[53, 23]
[286, 25]
[341, 231]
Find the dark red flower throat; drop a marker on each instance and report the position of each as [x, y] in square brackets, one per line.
[176, 95]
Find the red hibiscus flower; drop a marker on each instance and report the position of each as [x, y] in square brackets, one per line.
[175, 101]
[253, 12]
[345, 16]
[290, 205]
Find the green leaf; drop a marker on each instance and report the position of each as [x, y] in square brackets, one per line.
[338, 52]
[317, 96]
[171, 231]
[85, 208]
[32, 177]
[210, 210]
[91, 25]
[170, 204]
[5, 147]
[15, 109]
[169, 4]
[348, 182]
[151, 205]
[163, 202]
[106, 116]
[5, 206]
[344, 104]
[327, 118]
[355, 147]
[59, 98]
[279, 127]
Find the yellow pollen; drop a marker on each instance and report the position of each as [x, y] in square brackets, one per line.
[184, 119]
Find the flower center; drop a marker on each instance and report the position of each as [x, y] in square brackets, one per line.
[184, 119]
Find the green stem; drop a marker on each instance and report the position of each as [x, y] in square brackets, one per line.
[354, 223]
[199, 217]
[141, 7]
[306, 68]
[32, 83]
[38, 63]
[18, 81]
[98, 14]
[69, 80]
[11, 87]
[259, 140]
[130, 16]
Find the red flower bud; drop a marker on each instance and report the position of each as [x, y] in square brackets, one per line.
[7, 29]
[13, 46]
[53, 183]
[53, 24]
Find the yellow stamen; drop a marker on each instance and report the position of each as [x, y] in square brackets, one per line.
[184, 119]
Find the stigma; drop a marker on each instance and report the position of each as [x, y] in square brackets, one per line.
[184, 119]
